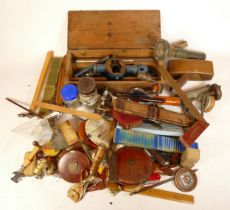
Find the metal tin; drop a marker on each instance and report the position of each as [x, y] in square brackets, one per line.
[87, 91]
[185, 179]
[73, 166]
[134, 166]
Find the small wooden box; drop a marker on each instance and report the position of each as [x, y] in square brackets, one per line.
[128, 35]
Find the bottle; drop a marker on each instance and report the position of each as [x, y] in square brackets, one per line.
[70, 95]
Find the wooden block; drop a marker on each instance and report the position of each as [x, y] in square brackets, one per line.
[193, 132]
[189, 157]
[196, 69]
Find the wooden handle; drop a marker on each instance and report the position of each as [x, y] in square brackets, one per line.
[99, 156]
[31, 156]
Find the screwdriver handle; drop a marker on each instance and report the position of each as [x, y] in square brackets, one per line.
[169, 100]
[151, 186]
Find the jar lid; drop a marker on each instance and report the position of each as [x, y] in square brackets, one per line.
[86, 85]
[69, 92]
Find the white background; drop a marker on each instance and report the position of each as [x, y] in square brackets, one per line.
[29, 28]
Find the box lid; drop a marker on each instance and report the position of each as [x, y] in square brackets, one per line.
[133, 29]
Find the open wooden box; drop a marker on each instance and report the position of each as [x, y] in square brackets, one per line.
[128, 35]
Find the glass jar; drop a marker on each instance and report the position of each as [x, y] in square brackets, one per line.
[87, 91]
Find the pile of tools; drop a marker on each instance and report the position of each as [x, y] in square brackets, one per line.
[129, 141]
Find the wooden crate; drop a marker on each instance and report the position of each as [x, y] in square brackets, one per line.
[128, 35]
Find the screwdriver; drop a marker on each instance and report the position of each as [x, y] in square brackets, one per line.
[164, 100]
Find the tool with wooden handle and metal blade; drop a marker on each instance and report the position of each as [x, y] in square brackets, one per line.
[184, 178]
[19, 174]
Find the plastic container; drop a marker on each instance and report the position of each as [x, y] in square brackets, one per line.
[69, 95]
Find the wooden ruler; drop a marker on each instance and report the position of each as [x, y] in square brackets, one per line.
[158, 193]
[63, 109]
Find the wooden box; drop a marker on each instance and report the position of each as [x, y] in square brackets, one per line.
[128, 35]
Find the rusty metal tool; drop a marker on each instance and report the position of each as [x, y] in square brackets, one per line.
[19, 174]
[30, 113]
[163, 100]
[197, 93]
[164, 49]
[206, 95]
[88, 68]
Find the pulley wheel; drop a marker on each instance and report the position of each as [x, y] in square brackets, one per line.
[185, 179]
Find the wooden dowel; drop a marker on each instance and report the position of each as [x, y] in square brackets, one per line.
[63, 109]
[157, 193]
